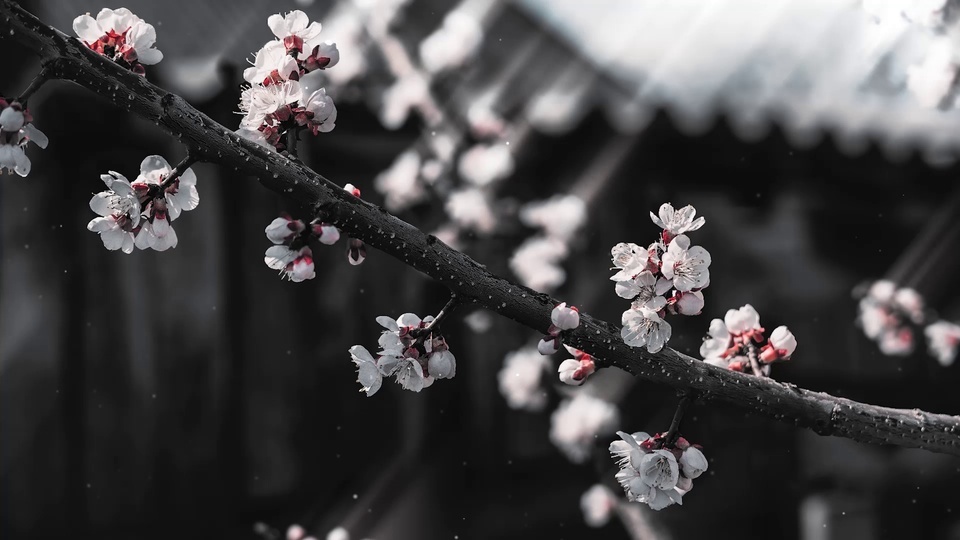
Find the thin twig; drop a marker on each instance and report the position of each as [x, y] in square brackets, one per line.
[686, 398]
[38, 81]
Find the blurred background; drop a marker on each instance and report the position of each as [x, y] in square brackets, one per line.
[192, 393]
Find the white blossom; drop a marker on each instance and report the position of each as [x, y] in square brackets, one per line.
[739, 321]
[272, 63]
[693, 462]
[119, 211]
[643, 287]
[322, 115]
[689, 303]
[519, 380]
[644, 327]
[781, 345]
[119, 35]
[368, 374]
[565, 318]
[630, 259]
[943, 339]
[295, 23]
[16, 130]
[284, 229]
[258, 101]
[295, 265]
[559, 216]
[569, 370]
[597, 503]
[688, 267]
[717, 342]
[677, 222]
[548, 345]
[659, 469]
[578, 422]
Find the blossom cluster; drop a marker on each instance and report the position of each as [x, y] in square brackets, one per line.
[537, 262]
[140, 213]
[120, 36]
[645, 276]
[886, 313]
[16, 130]
[291, 254]
[656, 471]
[284, 92]
[411, 350]
[561, 318]
[734, 342]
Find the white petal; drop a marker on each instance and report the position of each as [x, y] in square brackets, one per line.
[87, 28]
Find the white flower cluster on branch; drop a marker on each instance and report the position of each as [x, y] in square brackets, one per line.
[16, 130]
[655, 470]
[886, 313]
[121, 36]
[412, 351]
[292, 255]
[646, 275]
[140, 213]
[734, 343]
[284, 95]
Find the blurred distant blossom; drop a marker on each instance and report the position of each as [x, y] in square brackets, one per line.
[457, 39]
[400, 184]
[577, 422]
[536, 263]
[886, 314]
[484, 164]
[597, 503]
[470, 209]
[943, 340]
[520, 379]
[560, 216]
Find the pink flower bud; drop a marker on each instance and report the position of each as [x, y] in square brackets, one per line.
[565, 318]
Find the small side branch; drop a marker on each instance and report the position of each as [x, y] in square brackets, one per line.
[42, 77]
[686, 399]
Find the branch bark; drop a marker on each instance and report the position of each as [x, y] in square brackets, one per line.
[67, 58]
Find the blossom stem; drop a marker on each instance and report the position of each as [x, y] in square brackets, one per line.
[293, 135]
[181, 167]
[686, 398]
[35, 85]
[752, 356]
[444, 312]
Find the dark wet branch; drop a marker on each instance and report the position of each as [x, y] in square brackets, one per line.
[207, 140]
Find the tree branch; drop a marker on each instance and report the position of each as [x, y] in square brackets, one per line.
[207, 140]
